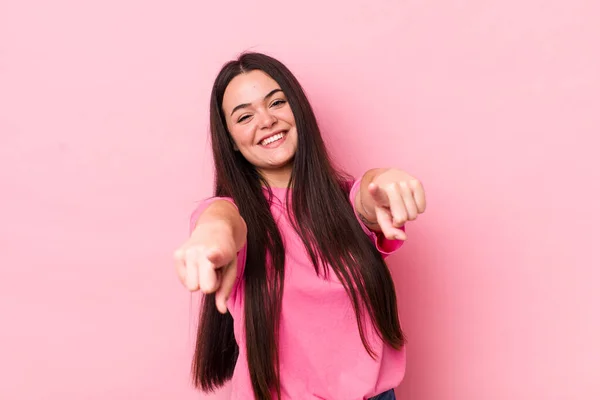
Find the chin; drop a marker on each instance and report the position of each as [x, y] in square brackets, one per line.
[280, 161]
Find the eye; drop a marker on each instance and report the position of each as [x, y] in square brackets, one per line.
[243, 118]
[278, 103]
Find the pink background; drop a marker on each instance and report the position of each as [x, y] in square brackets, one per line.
[494, 105]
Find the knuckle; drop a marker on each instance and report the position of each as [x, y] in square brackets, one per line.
[178, 254]
[203, 288]
[400, 219]
[190, 252]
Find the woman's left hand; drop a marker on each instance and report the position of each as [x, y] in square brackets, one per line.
[396, 197]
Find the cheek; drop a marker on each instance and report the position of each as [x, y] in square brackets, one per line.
[289, 116]
[285, 114]
[242, 136]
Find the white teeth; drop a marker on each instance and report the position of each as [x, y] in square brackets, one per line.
[272, 139]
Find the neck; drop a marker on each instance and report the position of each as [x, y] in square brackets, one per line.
[278, 178]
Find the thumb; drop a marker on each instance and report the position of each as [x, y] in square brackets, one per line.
[216, 257]
[378, 195]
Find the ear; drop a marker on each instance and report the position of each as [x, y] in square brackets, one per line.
[235, 148]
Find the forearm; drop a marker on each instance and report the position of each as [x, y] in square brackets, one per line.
[221, 214]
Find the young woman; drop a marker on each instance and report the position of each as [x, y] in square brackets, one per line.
[299, 303]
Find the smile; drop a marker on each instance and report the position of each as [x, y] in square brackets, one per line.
[273, 139]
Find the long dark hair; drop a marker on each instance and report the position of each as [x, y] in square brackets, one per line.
[324, 219]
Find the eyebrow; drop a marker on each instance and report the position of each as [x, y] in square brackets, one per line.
[271, 93]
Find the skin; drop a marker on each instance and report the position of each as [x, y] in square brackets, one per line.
[255, 108]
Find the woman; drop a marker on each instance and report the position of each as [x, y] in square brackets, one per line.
[299, 303]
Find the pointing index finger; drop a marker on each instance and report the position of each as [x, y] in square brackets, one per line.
[227, 282]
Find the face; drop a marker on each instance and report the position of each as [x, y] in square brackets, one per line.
[260, 121]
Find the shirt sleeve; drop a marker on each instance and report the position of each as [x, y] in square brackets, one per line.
[383, 244]
[241, 255]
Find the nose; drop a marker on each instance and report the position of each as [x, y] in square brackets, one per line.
[266, 120]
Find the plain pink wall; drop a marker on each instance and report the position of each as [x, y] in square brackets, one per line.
[103, 154]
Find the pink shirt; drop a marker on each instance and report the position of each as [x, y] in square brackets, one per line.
[321, 353]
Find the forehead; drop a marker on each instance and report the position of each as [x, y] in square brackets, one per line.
[248, 88]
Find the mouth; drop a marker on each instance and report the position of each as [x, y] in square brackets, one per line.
[273, 140]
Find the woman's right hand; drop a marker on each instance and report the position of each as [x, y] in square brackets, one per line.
[207, 261]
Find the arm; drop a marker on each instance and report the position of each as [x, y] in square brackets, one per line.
[222, 214]
[208, 260]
